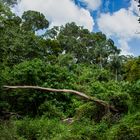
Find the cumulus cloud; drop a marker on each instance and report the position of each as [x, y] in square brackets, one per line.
[58, 12]
[122, 24]
[134, 7]
[124, 45]
[92, 4]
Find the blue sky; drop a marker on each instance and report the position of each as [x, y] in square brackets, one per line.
[115, 18]
[112, 6]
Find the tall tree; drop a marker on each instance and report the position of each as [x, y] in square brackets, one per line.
[115, 65]
[86, 47]
[132, 69]
[9, 2]
[19, 43]
[34, 21]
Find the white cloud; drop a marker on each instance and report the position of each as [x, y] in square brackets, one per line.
[92, 4]
[122, 24]
[59, 12]
[134, 7]
[125, 47]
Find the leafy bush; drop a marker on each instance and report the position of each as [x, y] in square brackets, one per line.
[28, 73]
[40, 128]
[49, 110]
[8, 131]
[99, 131]
[134, 91]
[90, 111]
[127, 129]
[121, 101]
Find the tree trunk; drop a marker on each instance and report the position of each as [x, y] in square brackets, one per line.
[83, 95]
[116, 75]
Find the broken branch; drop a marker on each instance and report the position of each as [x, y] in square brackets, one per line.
[83, 95]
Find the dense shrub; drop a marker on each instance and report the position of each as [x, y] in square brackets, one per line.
[90, 111]
[121, 101]
[8, 131]
[134, 91]
[40, 128]
[127, 129]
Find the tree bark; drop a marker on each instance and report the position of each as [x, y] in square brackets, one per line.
[83, 95]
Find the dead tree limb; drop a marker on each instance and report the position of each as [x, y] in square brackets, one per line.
[83, 95]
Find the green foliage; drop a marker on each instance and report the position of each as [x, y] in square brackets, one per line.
[132, 69]
[121, 101]
[33, 20]
[99, 131]
[53, 129]
[39, 128]
[127, 129]
[134, 91]
[8, 131]
[97, 88]
[18, 44]
[36, 72]
[28, 72]
[90, 111]
[9, 2]
[50, 110]
[66, 57]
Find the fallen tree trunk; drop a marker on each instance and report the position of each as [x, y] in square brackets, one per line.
[83, 95]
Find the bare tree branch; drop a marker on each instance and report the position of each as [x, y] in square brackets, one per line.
[83, 95]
